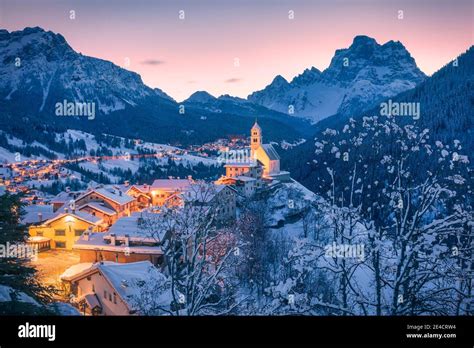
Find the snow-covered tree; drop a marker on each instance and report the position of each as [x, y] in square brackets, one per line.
[197, 254]
[411, 197]
[401, 201]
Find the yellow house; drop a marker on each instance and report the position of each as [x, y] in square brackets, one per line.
[65, 228]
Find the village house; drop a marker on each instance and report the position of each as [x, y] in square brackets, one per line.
[65, 228]
[244, 185]
[221, 198]
[108, 215]
[142, 195]
[37, 213]
[162, 189]
[109, 198]
[109, 288]
[129, 239]
[252, 169]
[158, 193]
[64, 198]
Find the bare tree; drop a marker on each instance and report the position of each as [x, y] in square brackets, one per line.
[195, 263]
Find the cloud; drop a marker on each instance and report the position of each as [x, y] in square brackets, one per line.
[152, 62]
[232, 80]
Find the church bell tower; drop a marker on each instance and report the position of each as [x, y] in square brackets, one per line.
[255, 139]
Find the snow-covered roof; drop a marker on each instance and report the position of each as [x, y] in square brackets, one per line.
[270, 151]
[203, 193]
[135, 227]
[241, 165]
[76, 270]
[63, 197]
[94, 220]
[38, 239]
[171, 184]
[99, 207]
[114, 195]
[141, 188]
[256, 126]
[96, 241]
[245, 178]
[32, 213]
[123, 277]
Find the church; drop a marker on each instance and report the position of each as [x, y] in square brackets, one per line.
[264, 161]
[263, 153]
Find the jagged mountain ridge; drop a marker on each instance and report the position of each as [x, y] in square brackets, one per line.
[40, 69]
[447, 108]
[357, 78]
[42, 65]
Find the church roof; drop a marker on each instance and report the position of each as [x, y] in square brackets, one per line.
[256, 126]
[271, 152]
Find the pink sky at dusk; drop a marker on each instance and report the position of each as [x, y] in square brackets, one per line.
[198, 53]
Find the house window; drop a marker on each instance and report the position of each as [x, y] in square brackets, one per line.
[115, 298]
[59, 232]
[39, 233]
[110, 297]
[105, 294]
[60, 245]
[78, 233]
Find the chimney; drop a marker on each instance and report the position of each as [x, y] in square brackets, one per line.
[68, 189]
[66, 210]
[112, 239]
[127, 183]
[120, 193]
[190, 177]
[40, 217]
[127, 240]
[86, 235]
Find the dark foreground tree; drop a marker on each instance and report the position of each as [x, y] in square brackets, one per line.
[17, 277]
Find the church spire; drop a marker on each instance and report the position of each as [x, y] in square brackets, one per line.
[256, 126]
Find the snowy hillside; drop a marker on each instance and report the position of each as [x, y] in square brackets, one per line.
[108, 159]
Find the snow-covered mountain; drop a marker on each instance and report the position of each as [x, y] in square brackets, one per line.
[40, 69]
[41, 65]
[357, 78]
[201, 97]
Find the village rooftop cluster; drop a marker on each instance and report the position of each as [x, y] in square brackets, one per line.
[105, 224]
